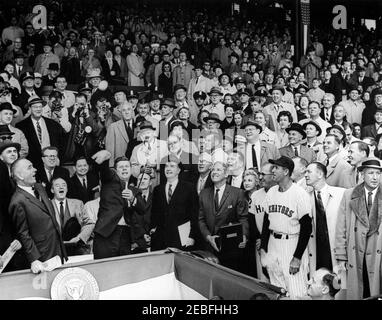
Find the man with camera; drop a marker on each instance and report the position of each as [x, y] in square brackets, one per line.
[68, 97]
[82, 138]
[58, 112]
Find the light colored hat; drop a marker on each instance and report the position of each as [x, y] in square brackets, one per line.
[93, 73]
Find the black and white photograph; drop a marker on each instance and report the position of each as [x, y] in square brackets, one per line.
[190, 151]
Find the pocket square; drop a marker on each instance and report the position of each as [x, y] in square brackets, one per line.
[230, 207]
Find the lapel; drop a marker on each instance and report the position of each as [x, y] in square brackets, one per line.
[263, 151]
[375, 214]
[358, 204]
[121, 128]
[33, 200]
[33, 133]
[332, 166]
[226, 193]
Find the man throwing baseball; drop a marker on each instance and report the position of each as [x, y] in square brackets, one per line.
[286, 230]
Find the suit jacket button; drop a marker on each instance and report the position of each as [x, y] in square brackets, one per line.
[311, 236]
[379, 251]
[355, 229]
[350, 266]
[310, 255]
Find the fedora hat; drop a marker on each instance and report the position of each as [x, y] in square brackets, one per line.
[215, 90]
[84, 87]
[239, 80]
[339, 128]
[251, 122]
[54, 66]
[33, 100]
[7, 106]
[244, 91]
[6, 139]
[277, 87]
[372, 163]
[93, 73]
[315, 124]
[296, 127]
[132, 94]
[146, 125]
[179, 86]
[212, 116]
[168, 102]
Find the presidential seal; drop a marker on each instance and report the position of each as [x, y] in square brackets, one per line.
[74, 284]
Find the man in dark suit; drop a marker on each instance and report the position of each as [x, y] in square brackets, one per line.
[174, 211]
[373, 129]
[112, 233]
[189, 171]
[27, 91]
[219, 206]
[167, 108]
[40, 132]
[327, 110]
[21, 65]
[359, 79]
[295, 148]
[83, 185]
[33, 215]
[50, 170]
[140, 226]
[236, 166]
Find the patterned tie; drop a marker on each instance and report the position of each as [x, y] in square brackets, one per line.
[169, 194]
[369, 201]
[39, 132]
[326, 114]
[50, 174]
[295, 151]
[62, 213]
[216, 200]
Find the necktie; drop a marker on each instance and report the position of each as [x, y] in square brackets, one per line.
[216, 200]
[322, 235]
[144, 197]
[169, 194]
[369, 201]
[327, 162]
[39, 132]
[309, 146]
[327, 115]
[254, 157]
[84, 183]
[62, 213]
[36, 194]
[295, 151]
[50, 174]
[197, 79]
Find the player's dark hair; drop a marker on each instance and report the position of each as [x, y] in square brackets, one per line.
[285, 113]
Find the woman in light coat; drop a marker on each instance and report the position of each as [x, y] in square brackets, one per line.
[136, 68]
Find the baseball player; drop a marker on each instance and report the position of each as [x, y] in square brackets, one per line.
[286, 231]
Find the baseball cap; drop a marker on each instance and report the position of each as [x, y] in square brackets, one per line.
[284, 162]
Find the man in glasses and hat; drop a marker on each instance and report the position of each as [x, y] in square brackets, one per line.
[99, 87]
[167, 108]
[40, 131]
[6, 117]
[216, 106]
[27, 90]
[146, 156]
[43, 60]
[286, 231]
[358, 243]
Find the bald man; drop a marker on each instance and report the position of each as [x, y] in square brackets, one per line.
[34, 217]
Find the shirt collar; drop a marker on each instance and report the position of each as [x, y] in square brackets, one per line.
[221, 189]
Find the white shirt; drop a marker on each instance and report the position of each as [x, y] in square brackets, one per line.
[44, 132]
[201, 183]
[373, 193]
[173, 186]
[237, 180]
[57, 203]
[249, 161]
[220, 193]
[27, 189]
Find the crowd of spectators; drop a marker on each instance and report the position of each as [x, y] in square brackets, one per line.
[157, 93]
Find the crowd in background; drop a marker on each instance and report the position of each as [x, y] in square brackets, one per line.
[147, 101]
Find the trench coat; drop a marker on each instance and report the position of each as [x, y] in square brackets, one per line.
[354, 238]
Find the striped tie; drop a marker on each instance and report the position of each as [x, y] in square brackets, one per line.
[39, 132]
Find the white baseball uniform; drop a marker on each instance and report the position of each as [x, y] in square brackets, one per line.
[284, 210]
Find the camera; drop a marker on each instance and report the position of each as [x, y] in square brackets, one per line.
[56, 106]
